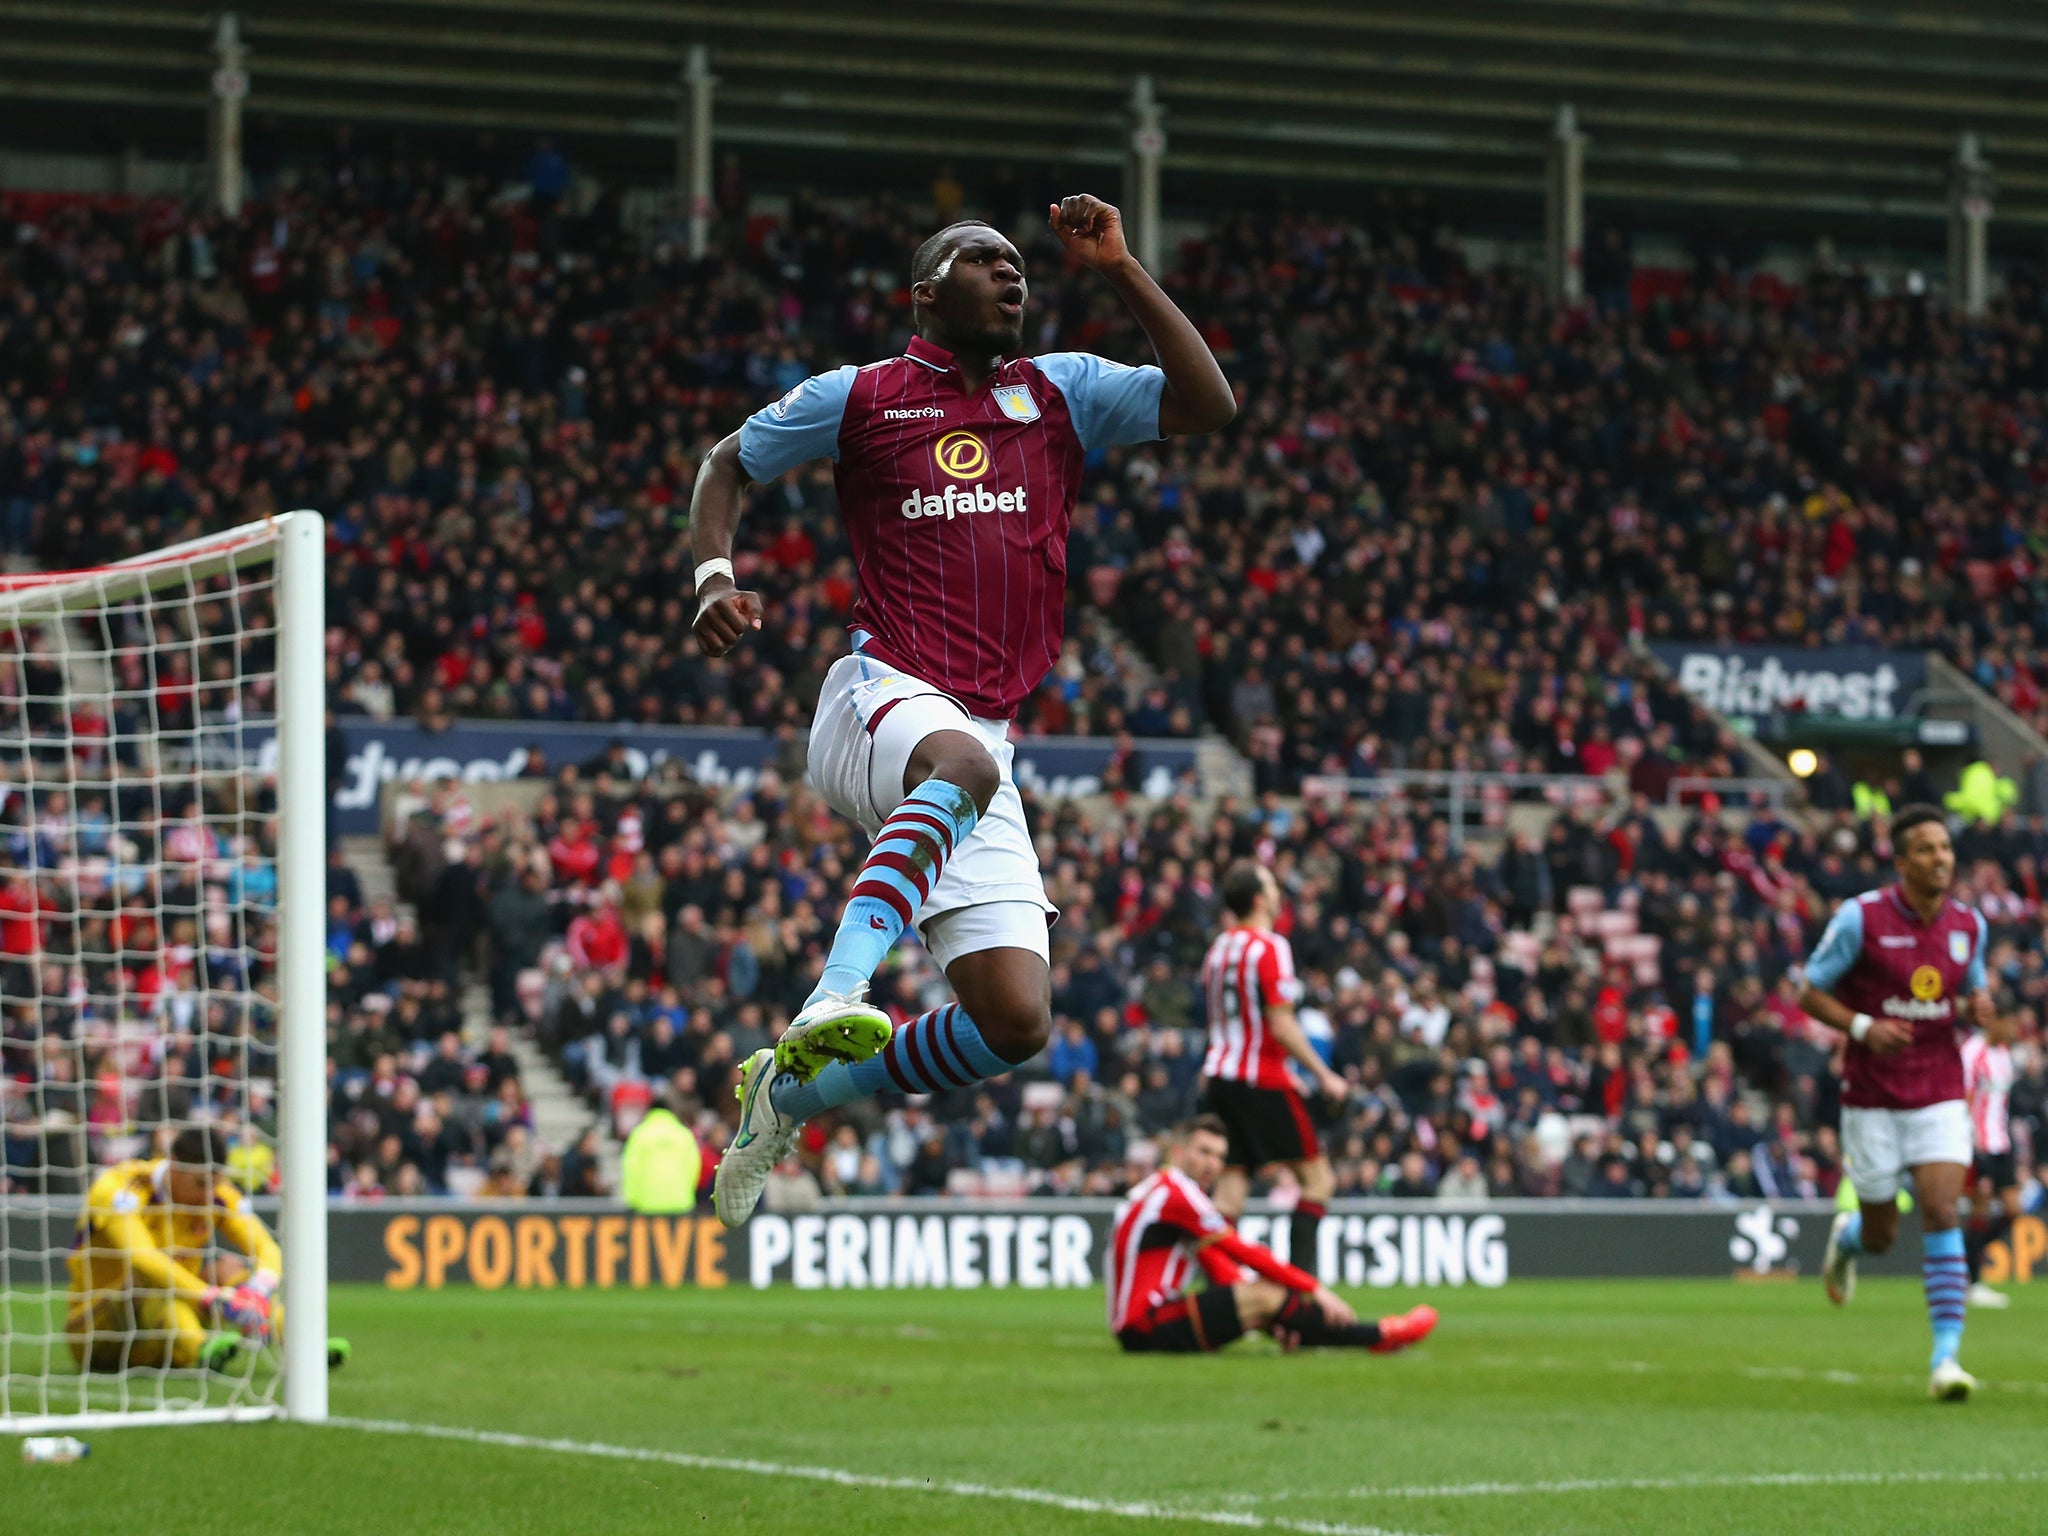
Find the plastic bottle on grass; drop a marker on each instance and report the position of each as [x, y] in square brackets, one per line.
[55, 1449]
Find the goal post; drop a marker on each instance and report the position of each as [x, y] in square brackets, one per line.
[302, 945]
[162, 959]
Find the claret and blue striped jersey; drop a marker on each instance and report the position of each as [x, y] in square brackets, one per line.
[1882, 958]
[958, 504]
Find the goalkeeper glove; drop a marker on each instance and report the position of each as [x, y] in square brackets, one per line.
[247, 1310]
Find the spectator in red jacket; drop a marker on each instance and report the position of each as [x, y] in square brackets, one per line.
[574, 853]
[20, 926]
[597, 939]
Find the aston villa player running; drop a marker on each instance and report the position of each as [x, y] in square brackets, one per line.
[958, 465]
[1889, 972]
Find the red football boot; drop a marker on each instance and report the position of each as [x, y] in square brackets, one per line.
[1411, 1327]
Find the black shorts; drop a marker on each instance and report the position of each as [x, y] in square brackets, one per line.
[1995, 1170]
[1192, 1325]
[1266, 1125]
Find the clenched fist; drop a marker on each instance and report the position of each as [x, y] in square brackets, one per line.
[1090, 229]
[724, 615]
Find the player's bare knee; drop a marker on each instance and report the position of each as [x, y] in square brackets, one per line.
[1015, 1030]
[980, 777]
[1318, 1179]
[1939, 1214]
[1008, 994]
[954, 757]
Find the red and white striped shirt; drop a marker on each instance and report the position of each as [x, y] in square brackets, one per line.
[1154, 1244]
[1165, 1228]
[1987, 1078]
[1248, 972]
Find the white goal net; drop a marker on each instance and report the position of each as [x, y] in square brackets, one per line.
[161, 934]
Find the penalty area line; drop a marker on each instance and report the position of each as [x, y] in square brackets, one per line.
[1122, 1509]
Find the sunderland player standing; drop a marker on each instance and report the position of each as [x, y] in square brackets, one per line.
[957, 468]
[1891, 972]
[1995, 1187]
[1167, 1229]
[1247, 1081]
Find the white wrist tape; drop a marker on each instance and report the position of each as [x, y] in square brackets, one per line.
[1860, 1026]
[710, 568]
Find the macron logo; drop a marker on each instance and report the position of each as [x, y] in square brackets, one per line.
[956, 500]
[919, 413]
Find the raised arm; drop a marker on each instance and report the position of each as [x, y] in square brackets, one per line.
[1197, 397]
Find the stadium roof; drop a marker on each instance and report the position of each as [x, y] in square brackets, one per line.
[1794, 106]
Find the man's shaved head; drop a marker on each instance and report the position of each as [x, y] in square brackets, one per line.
[967, 290]
[924, 266]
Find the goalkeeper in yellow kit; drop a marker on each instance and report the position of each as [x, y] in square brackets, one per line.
[169, 1269]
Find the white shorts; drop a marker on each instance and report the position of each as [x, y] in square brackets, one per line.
[870, 719]
[1880, 1144]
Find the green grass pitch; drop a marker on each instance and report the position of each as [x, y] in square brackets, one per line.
[1544, 1408]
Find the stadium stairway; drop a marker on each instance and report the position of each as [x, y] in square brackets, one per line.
[559, 1115]
[365, 855]
[2004, 739]
[1221, 768]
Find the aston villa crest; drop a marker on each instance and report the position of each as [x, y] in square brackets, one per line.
[1015, 402]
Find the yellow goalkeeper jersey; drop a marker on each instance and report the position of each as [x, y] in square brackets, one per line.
[129, 1235]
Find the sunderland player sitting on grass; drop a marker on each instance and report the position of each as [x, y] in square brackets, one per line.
[1167, 1228]
[1995, 1184]
[1889, 972]
[957, 468]
[1247, 1081]
[165, 1251]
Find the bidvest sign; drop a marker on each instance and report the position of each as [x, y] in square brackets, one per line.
[1746, 682]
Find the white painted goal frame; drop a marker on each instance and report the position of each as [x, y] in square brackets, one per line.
[294, 543]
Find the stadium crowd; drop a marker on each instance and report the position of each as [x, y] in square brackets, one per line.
[656, 933]
[1445, 511]
[1443, 516]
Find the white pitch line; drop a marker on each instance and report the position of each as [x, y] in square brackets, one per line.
[1646, 1484]
[1753, 1372]
[1707, 1480]
[1118, 1508]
